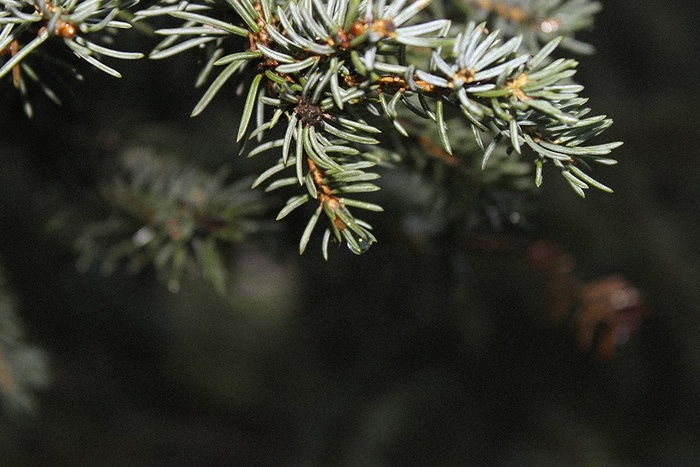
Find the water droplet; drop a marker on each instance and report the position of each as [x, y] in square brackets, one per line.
[364, 244]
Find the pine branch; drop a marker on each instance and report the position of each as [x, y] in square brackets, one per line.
[336, 72]
[538, 22]
[26, 25]
[327, 66]
[23, 367]
[172, 217]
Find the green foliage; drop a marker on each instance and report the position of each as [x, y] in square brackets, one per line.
[537, 21]
[329, 80]
[23, 367]
[80, 25]
[327, 67]
[172, 216]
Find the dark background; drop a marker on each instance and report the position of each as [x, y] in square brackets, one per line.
[432, 354]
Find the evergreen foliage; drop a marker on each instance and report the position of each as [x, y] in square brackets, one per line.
[323, 84]
[172, 216]
[23, 367]
[496, 322]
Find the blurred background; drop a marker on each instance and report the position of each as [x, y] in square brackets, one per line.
[434, 348]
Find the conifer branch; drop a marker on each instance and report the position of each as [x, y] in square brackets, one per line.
[328, 66]
[79, 24]
[23, 367]
[172, 217]
[338, 72]
[536, 21]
